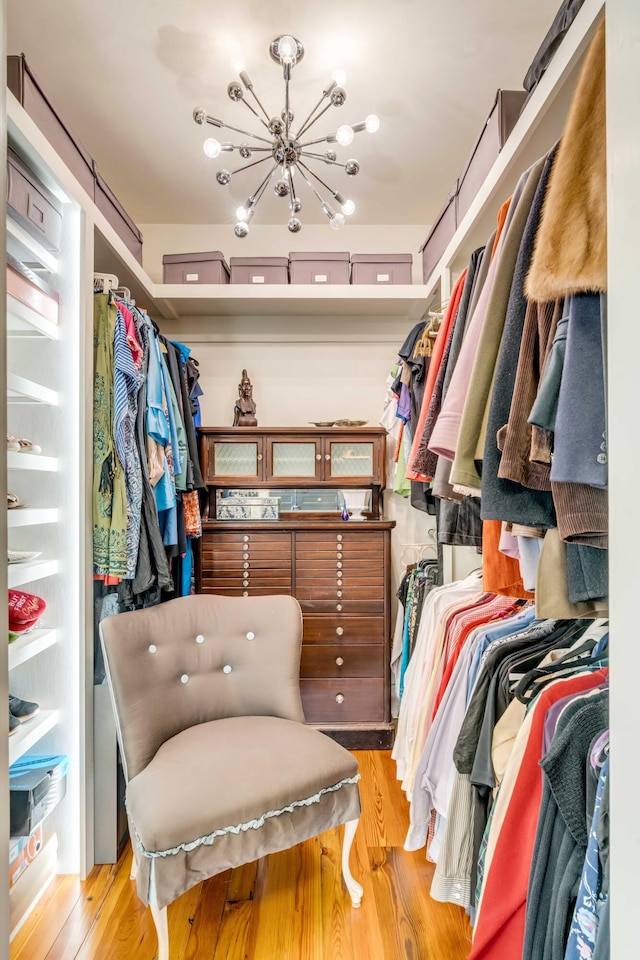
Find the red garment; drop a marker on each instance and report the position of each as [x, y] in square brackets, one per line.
[502, 217]
[499, 930]
[137, 352]
[434, 366]
[498, 609]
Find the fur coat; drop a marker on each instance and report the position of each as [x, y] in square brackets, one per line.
[571, 246]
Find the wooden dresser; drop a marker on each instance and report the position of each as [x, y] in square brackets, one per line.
[339, 571]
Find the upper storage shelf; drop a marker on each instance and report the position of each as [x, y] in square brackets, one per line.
[539, 126]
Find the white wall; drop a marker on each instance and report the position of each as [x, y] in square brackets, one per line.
[276, 241]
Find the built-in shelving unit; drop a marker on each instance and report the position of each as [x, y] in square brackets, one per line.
[30, 645]
[20, 574]
[29, 517]
[24, 322]
[31, 461]
[30, 733]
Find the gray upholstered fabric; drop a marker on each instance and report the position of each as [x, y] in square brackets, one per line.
[228, 772]
[154, 704]
[220, 767]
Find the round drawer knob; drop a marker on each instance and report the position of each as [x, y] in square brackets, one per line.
[245, 593]
[245, 583]
[339, 698]
[339, 631]
[339, 582]
[339, 564]
[327, 456]
[245, 556]
[339, 537]
[339, 607]
[339, 555]
[259, 456]
[339, 661]
[246, 566]
[318, 456]
[246, 539]
[340, 594]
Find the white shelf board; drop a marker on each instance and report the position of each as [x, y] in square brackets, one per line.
[40, 257]
[30, 732]
[31, 461]
[538, 127]
[406, 301]
[21, 390]
[23, 322]
[19, 573]
[30, 645]
[31, 516]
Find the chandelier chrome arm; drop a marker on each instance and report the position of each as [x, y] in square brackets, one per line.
[308, 121]
[244, 76]
[248, 165]
[334, 193]
[317, 156]
[227, 126]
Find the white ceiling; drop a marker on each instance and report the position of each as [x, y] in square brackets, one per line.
[128, 73]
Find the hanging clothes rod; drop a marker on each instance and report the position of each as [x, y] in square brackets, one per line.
[105, 282]
[418, 549]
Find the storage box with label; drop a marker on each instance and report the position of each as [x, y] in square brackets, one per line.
[379, 268]
[110, 206]
[439, 236]
[32, 205]
[319, 267]
[36, 785]
[495, 132]
[195, 268]
[259, 269]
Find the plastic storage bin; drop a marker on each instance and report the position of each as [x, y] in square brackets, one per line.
[259, 269]
[33, 206]
[195, 268]
[379, 268]
[319, 267]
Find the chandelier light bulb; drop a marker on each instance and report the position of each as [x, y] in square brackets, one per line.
[242, 213]
[372, 123]
[287, 49]
[337, 221]
[241, 229]
[212, 148]
[345, 135]
[340, 77]
[348, 208]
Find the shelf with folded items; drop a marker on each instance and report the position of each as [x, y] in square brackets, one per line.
[30, 644]
[31, 516]
[25, 323]
[31, 461]
[22, 390]
[30, 732]
[21, 573]
[27, 249]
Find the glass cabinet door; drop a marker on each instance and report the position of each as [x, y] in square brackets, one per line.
[240, 459]
[350, 459]
[294, 459]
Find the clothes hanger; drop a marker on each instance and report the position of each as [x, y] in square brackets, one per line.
[540, 676]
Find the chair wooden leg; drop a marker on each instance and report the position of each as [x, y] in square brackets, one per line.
[162, 929]
[354, 888]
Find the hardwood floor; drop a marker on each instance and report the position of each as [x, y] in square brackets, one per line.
[289, 906]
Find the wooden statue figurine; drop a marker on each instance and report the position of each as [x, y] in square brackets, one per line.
[244, 414]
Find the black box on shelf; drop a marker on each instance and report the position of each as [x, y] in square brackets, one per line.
[36, 785]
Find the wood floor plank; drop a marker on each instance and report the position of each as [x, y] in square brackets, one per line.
[288, 906]
[414, 927]
[34, 940]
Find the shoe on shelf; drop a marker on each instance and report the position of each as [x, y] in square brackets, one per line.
[13, 502]
[22, 709]
[27, 446]
[13, 445]
[14, 723]
[23, 556]
[13, 636]
[24, 609]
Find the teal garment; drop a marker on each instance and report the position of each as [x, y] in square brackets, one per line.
[181, 436]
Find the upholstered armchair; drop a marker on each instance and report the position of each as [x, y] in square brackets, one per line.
[219, 765]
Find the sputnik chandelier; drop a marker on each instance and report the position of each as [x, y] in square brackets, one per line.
[287, 151]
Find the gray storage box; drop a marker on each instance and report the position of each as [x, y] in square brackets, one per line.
[110, 206]
[381, 268]
[441, 233]
[495, 132]
[319, 267]
[259, 269]
[195, 268]
[33, 206]
[24, 86]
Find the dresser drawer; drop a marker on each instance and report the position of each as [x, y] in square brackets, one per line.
[324, 660]
[337, 701]
[331, 551]
[370, 537]
[358, 608]
[318, 590]
[244, 591]
[323, 629]
[361, 569]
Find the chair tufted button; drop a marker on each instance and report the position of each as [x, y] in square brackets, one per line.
[251, 635]
[227, 669]
[152, 648]
[199, 638]
[184, 678]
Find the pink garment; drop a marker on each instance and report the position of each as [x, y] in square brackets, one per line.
[132, 335]
[444, 438]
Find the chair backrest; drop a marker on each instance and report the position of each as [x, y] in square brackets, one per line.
[197, 659]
